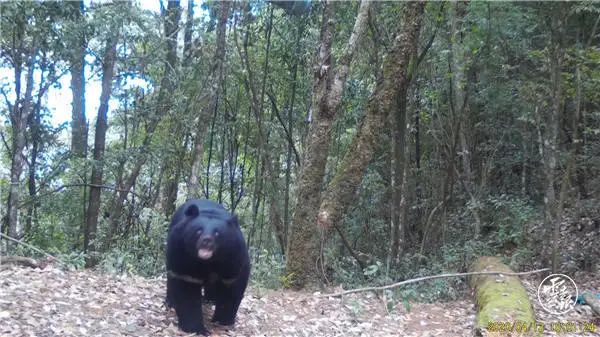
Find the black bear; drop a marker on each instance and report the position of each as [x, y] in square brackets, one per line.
[205, 251]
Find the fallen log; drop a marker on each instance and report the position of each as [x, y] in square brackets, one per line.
[502, 302]
[20, 260]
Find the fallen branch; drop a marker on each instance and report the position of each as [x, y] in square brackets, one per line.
[20, 260]
[425, 278]
[53, 258]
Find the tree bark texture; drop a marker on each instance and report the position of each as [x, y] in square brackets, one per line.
[35, 126]
[18, 118]
[550, 137]
[327, 94]
[172, 168]
[79, 132]
[393, 86]
[554, 209]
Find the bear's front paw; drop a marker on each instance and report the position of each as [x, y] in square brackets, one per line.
[224, 320]
[196, 327]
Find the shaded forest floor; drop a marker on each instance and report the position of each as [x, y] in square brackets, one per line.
[53, 302]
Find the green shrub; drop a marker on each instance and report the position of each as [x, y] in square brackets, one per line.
[267, 269]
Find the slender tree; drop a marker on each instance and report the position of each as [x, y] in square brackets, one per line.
[79, 133]
[163, 106]
[91, 229]
[211, 98]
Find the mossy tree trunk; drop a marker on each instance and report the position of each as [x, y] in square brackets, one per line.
[388, 98]
[328, 88]
[499, 298]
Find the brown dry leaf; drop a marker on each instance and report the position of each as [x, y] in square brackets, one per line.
[54, 303]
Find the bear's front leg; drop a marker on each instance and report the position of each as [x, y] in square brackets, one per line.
[169, 302]
[228, 299]
[187, 298]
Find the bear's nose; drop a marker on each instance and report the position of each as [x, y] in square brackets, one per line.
[206, 240]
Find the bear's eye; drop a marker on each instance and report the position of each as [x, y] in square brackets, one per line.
[216, 234]
[199, 232]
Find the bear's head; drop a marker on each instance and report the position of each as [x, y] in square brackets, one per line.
[208, 230]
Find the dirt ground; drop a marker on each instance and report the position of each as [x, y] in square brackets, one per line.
[52, 302]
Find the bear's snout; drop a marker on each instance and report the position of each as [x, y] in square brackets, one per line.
[205, 246]
[206, 241]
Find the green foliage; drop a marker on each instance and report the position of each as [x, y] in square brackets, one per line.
[508, 218]
[142, 252]
[73, 259]
[504, 50]
[268, 270]
[374, 269]
[117, 261]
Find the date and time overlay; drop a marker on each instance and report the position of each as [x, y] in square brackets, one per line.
[557, 294]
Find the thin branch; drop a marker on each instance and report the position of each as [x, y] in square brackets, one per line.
[423, 53]
[285, 129]
[60, 188]
[7, 101]
[349, 247]
[8, 148]
[54, 258]
[424, 278]
[593, 33]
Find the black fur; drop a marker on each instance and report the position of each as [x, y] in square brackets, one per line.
[197, 228]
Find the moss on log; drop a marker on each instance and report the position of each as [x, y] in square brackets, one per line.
[503, 306]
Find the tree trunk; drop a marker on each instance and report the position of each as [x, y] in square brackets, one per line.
[187, 35]
[327, 94]
[384, 101]
[91, 228]
[171, 165]
[290, 143]
[398, 122]
[553, 121]
[272, 175]
[19, 116]
[214, 80]
[35, 125]
[172, 175]
[79, 132]
[264, 167]
[459, 66]
[163, 106]
[79, 127]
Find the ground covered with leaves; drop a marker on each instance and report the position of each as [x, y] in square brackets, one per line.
[54, 302]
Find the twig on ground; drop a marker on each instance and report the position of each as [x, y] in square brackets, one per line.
[54, 258]
[425, 278]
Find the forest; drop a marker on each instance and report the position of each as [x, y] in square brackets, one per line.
[359, 143]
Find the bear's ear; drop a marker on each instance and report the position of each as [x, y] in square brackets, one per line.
[233, 221]
[192, 211]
